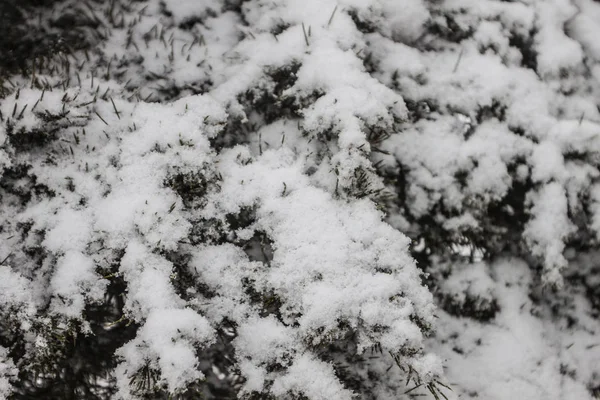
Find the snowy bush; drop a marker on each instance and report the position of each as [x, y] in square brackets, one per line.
[226, 198]
[136, 192]
[500, 148]
[208, 236]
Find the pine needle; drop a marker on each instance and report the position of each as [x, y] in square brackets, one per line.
[103, 120]
[458, 60]
[305, 35]
[115, 107]
[332, 15]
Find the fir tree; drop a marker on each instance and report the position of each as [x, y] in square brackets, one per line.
[267, 199]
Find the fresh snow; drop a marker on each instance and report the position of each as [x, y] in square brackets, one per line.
[260, 176]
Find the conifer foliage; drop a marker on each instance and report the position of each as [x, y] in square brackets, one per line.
[226, 199]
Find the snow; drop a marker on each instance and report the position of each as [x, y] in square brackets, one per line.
[264, 340]
[74, 281]
[72, 232]
[271, 165]
[148, 277]
[128, 206]
[313, 378]
[524, 353]
[14, 289]
[333, 262]
[8, 372]
[548, 228]
[469, 280]
[190, 9]
[167, 341]
[547, 162]
[556, 50]
[582, 27]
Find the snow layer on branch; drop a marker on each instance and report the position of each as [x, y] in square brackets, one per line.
[15, 290]
[499, 102]
[187, 11]
[167, 343]
[313, 378]
[583, 27]
[283, 127]
[8, 372]
[548, 228]
[336, 97]
[335, 266]
[530, 350]
[122, 206]
[75, 283]
[556, 51]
